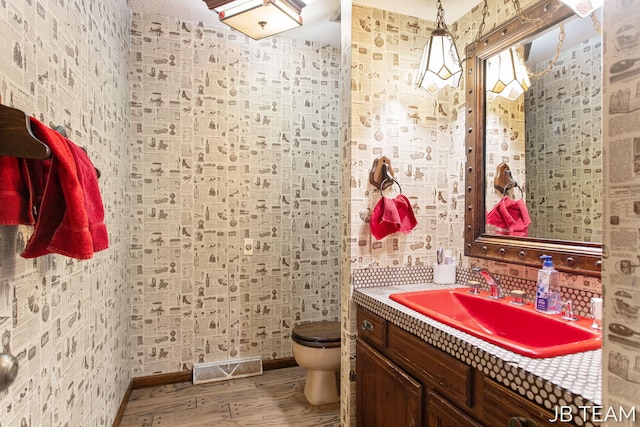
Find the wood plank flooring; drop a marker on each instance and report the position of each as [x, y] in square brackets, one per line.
[273, 399]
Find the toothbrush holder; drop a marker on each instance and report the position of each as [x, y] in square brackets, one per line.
[444, 274]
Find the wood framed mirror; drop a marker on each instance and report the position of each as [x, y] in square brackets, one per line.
[579, 252]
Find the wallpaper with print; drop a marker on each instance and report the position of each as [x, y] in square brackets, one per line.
[621, 132]
[231, 139]
[67, 321]
[564, 145]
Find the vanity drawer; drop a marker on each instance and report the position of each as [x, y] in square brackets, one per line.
[451, 377]
[503, 407]
[372, 328]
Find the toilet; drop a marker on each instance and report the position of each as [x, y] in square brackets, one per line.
[316, 347]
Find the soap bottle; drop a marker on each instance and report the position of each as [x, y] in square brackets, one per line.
[548, 298]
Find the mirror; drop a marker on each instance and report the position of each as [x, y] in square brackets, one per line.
[546, 141]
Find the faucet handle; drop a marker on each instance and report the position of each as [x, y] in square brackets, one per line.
[568, 312]
[475, 286]
[518, 296]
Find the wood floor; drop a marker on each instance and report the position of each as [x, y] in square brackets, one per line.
[273, 399]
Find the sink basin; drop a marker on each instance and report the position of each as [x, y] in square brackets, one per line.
[520, 329]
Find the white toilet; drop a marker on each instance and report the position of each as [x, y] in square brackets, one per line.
[316, 347]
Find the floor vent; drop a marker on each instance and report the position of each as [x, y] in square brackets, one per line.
[226, 370]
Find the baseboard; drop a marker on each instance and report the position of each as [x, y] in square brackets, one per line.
[287, 362]
[180, 377]
[123, 405]
[161, 379]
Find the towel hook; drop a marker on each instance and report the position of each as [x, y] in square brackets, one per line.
[381, 172]
[18, 139]
[389, 178]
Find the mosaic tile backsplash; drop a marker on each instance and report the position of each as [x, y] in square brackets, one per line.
[67, 321]
[231, 139]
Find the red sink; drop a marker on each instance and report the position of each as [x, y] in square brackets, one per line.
[520, 329]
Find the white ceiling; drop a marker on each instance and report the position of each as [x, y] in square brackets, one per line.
[317, 15]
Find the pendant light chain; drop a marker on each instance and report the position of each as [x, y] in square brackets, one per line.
[523, 16]
[596, 23]
[553, 60]
[472, 48]
[440, 17]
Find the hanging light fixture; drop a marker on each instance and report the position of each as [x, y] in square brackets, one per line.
[440, 64]
[259, 18]
[506, 75]
[583, 7]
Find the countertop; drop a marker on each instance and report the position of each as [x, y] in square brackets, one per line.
[562, 380]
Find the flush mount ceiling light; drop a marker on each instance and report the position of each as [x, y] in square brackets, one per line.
[440, 64]
[583, 7]
[259, 18]
[507, 75]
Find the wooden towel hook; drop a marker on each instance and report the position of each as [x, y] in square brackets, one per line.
[381, 175]
[17, 138]
[503, 180]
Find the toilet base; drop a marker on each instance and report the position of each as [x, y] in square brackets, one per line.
[321, 387]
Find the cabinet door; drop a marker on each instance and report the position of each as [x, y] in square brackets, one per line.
[386, 395]
[503, 407]
[442, 413]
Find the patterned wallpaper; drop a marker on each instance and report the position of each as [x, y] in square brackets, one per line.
[564, 145]
[231, 139]
[67, 321]
[621, 133]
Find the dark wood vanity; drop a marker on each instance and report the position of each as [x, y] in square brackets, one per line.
[404, 381]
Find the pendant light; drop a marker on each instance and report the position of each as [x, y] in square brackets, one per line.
[258, 18]
[583, 7]
[440, 64]
[506, 75]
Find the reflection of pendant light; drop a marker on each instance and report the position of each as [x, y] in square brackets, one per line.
[583, 7]
[440, 64]
[258, 18]
[507, 75]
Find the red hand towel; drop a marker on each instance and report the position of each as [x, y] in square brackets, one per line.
[392, 215]
[70, 221]
[407, 217]
[511, 216]
[16, 203]
[385, 219]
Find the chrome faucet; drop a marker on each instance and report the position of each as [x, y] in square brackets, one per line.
[495, 291]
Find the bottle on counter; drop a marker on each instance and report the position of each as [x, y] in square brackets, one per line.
[548, 296]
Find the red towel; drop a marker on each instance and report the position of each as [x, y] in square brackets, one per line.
[392, 215]
[16, 203]
[71, 215]
[407, 219]
[511, 216]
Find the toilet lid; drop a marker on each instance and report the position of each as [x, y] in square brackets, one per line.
[317, 334]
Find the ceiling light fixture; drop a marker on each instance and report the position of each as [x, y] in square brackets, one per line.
[259, 18]
[440, 64]
[583, 7]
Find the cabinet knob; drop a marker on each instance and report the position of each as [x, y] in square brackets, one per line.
[367, 326]
[522, 422]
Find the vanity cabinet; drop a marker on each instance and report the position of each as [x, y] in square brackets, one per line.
[403, 381]
[389, 397]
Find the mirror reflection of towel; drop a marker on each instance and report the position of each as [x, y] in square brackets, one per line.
[511, 216]
[392, 215]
